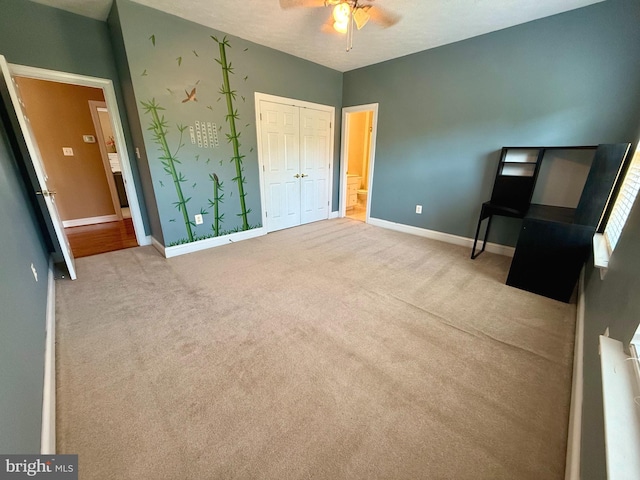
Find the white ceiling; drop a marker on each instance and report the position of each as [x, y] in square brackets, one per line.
[424, 24]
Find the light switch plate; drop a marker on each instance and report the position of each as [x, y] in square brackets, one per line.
[89, 139]
[67, 151]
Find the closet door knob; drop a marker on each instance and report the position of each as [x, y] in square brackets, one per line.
[304, 175]
[297, 175]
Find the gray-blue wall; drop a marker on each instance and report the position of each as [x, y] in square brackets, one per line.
[137, 140]
[45, 37]
[40, 36]
[23, 307]
[570, 79]
[444, 113]
[565, 80]
[614, 303]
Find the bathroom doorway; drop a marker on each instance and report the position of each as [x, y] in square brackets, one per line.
[358, 151]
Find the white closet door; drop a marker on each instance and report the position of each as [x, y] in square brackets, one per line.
[315, 142]
[280, 125]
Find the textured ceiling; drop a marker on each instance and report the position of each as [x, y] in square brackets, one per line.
[424, 24]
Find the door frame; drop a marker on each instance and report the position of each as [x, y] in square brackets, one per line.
[94, 105]
[344, 156]
[261, 167]
[109, 93]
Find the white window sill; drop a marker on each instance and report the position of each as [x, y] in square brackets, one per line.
[600, 254]
[620, 389]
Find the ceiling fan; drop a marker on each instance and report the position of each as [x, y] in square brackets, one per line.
[348, 14]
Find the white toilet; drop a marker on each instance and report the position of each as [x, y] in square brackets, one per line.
[362, 197]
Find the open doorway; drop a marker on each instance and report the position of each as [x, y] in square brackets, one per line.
[67, 129]
[94, 191]
[358, 152]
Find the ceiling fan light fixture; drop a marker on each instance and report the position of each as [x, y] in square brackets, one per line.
[342, 17]
[341, 27]
[341, 13]
[361, 17]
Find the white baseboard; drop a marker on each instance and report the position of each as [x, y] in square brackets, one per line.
[48, 433]
[79, 222]
[574, 439]
[335, 214]
[145, 241]
[158, 246]
[443, 237]
[196, 246]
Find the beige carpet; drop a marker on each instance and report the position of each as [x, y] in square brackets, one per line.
[336, 350]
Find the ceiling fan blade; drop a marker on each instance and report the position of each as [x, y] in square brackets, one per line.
[383, 17]
[285, 4]
[361, 16]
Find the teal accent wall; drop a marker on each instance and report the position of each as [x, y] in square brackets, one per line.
[23, 311]
[46, 37]
[570, 79]
[167, 58]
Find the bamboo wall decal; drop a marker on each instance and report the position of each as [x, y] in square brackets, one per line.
[169, 160]
[233, 137]
[217, 199]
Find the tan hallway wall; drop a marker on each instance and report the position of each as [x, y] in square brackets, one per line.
[59, 115]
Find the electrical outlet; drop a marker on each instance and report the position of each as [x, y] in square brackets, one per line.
[419, 209]
[198, 218]
[67, 151]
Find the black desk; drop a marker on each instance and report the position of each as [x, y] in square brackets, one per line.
[554, 242]
[550, 252]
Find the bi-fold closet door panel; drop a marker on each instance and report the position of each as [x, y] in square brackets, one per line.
[315, 142]
[281, 161]
[295, 149]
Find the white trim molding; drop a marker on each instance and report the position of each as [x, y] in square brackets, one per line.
[333, 215]
[79, 222]
[258, 97]
[158, 246]
[109, 92]
[574, 439]
[48, 432]
[373, 107]
[621, 422]
[440, 236]
[205, 244]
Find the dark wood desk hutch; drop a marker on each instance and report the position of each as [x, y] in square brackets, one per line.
[554, 242]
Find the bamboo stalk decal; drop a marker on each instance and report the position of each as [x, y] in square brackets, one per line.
[233, 137]
[169, 160]
[217, 199]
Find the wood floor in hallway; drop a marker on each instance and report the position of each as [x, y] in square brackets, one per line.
[102, 237]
